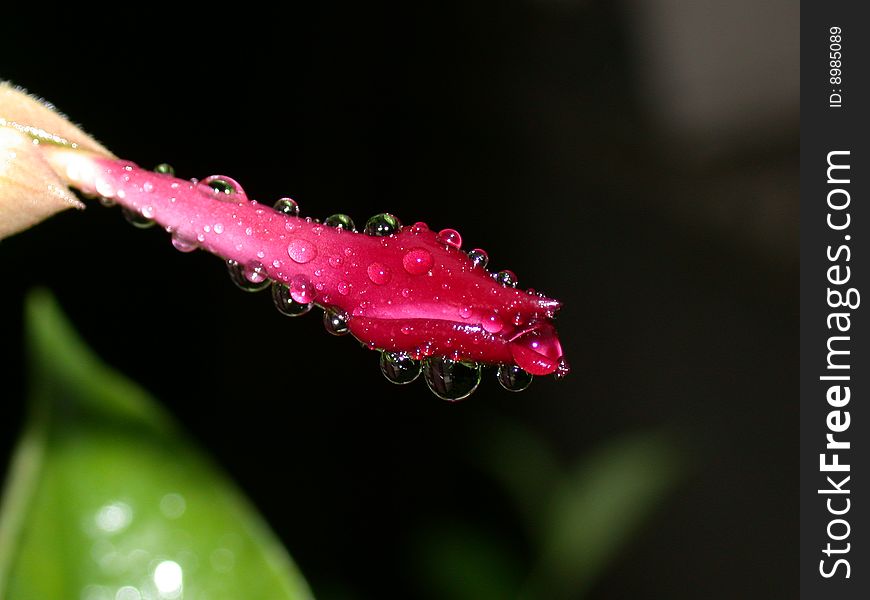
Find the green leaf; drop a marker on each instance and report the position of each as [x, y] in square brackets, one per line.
[108, 500]
[595, 509]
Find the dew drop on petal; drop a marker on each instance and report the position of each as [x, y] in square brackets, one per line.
[225, 188]
[287, 206]
[417, 261]
[479, 258]
[218, 228]
[507, 278]
[465, 312]
[378, 273]
[301, 251]
[301, 290]
[340, 221]
[343, 288]
[164, 169]
[493, 323]
[382, 224]
[450, 237]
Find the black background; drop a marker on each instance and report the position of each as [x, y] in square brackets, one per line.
[517, 124]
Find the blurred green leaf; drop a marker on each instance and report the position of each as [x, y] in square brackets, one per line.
[108, 500]
[595, 509]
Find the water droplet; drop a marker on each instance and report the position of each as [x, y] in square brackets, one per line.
[248, 278]
[399, 367]
[334, 261]
[506, 278]
[382, 224]
[335, 321]
[301, 251]
[107, 202]
[406, 292]
[225, 188]
[301, 289]
[340, 221]
[136, 219]
[449, 379]
[479, 258]
[378, 273]
[417, 261]
[465, 312]
[513, 378]
[219, 228]
[164, 169]
[147, 187]
[450, 237]
[343, 288]
[419, 227]
[183, 244]
[493, 323]
[285, 303]
[287, 206]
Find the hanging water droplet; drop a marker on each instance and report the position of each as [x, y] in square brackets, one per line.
[335, 321]
[183, 244]
[506, 278]
[479, 258]
[382, 224]
[449, 379]
[285, 303]
[417, 261]
[136, 218]
[107, 202]
[287, 206]
[513, 378]
[450, 237]
[378, 273]
[340, 221]
[399, 367]
[164, 169]
[250, 279]
[301, 290]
